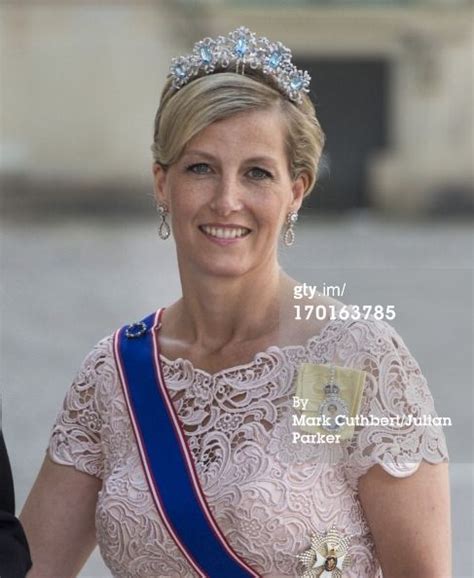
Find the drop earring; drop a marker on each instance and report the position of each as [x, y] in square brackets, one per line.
[164, 230]
[289, 236]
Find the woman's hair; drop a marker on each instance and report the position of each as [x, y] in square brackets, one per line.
[208, 98]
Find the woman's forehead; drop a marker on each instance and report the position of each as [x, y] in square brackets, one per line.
[262, 133]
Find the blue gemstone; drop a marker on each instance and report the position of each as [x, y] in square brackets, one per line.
[275, 59]
[296, 83]
[206, 55]
[241, 47]
[180, 71]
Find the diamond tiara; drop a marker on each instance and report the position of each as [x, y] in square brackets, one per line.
[242, 48]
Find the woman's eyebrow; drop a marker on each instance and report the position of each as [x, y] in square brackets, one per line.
[261, 159]
[256, 159]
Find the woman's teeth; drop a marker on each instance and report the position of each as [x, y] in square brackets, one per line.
[225, 233]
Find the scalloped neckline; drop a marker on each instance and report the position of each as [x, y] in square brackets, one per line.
[212, 376]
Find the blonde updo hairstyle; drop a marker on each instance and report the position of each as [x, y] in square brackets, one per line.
[208, 98]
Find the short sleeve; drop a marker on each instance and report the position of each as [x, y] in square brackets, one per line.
[399, 426]
[76, 435]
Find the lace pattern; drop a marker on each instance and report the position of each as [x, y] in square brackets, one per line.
[266, 493]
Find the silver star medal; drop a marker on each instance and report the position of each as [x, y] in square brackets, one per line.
[327, 557]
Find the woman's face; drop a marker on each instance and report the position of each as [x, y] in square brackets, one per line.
[229, 194]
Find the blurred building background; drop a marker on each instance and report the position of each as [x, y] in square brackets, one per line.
[392, 82]
[79, 255]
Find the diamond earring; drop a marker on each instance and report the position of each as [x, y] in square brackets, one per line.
[164, 230]
[289, 236]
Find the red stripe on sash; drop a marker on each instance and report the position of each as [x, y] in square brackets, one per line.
[189, 461]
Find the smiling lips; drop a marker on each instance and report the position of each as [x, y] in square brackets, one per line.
[224, 233]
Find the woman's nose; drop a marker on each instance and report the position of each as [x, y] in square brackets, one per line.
[227, 196]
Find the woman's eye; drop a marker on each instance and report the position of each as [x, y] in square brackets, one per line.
[198, 168]
[259, 174]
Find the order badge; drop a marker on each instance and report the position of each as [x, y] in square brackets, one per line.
[327, 395]
[327, 557]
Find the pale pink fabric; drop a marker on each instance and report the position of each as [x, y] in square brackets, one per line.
[267, 494]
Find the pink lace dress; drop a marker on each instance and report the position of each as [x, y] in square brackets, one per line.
[267, 494]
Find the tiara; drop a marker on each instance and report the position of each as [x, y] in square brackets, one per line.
[243, 48]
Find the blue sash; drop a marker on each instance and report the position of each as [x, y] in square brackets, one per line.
[166, 459]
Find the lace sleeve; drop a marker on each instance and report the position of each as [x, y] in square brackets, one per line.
[403, 426]
[76, 435]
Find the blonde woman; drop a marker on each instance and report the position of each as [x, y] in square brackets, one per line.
[195, 442]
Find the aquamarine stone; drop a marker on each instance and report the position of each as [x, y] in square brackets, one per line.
[206, 55]
[180, 71]
[241, 47]
[275, 59]
[296, 83]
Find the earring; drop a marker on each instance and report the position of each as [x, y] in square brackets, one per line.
[289, 236]
[164, 230]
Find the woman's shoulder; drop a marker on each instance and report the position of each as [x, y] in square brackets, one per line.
[76, 435]
[370, 337]
[371, 333]
[96, 374]
[101, 353]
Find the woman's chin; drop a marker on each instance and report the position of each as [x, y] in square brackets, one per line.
[224, 271]
[221, 267]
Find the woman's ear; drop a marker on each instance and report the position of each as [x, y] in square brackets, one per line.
[299, 188]
[159, 183]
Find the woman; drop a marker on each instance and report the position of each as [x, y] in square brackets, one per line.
[180, 428]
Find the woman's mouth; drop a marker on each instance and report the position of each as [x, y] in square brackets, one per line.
[227, 233]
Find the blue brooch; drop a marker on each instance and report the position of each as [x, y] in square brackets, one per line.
[136, 329]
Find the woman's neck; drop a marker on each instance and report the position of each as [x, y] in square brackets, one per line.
[216, 312]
